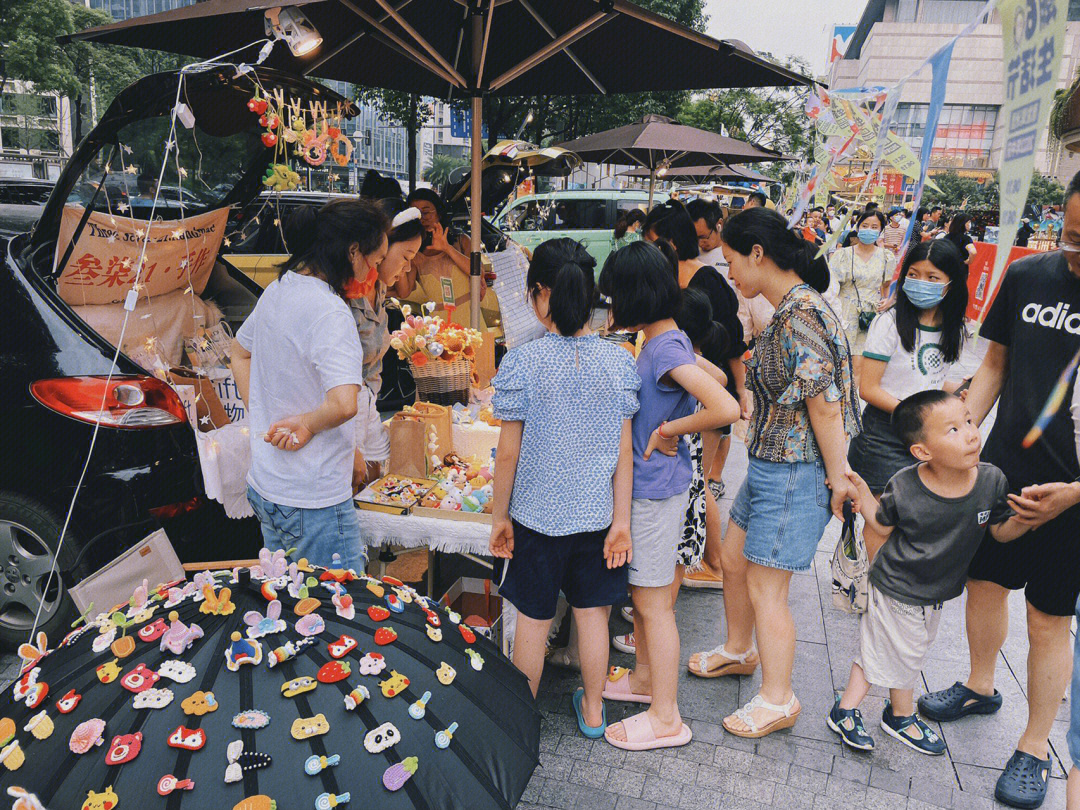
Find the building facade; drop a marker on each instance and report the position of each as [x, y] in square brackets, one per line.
[124, 9]
[35, 132]
[894, 36]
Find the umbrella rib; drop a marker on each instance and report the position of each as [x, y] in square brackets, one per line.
[553, 47]
[427, 46]
[452, 78]
[487, 38]
[551, 33]
[326, 57]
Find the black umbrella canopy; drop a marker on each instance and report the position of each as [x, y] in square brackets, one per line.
[720, 171]
[526, 47]
[289, 727]
[656, 140]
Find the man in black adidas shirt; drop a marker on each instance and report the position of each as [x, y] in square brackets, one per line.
[1033, 329]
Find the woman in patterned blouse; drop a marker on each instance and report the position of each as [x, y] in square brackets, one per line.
[804, 415]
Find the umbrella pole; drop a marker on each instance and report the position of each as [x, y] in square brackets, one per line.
[652, 184]
[475, 180]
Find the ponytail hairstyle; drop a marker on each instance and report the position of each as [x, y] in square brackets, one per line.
[788, 250]
[640, 282]
[565, 268]
[337, 226]
[622, 223]
[947, 258]
[695, 318]
[669, 253]
[670, 222]
[404, 220]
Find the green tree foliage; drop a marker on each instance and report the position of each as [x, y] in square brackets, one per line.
[438, 173]
[402, 109]
[956, 189]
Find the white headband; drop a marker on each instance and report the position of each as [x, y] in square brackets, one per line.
[408, 215]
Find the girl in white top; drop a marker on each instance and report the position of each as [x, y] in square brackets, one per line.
[909, 348]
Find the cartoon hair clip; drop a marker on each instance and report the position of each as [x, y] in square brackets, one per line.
[317, 764]
[443, 738]
[326, 801]
[242, 651]
[357, 696]
[241, 760]
[168, 783]
[418, 709]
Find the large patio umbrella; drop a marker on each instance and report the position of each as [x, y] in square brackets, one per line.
[720, 171]
[212, 704]
[657, 143]
[464, 49]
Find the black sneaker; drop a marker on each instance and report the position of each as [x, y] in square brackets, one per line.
[913, 732]
[848, 723]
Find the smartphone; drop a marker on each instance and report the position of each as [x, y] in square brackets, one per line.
[425, 239]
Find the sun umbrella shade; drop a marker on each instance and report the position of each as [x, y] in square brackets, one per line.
[656, 139]
[717, 172]
[426, 46]
[291, 727]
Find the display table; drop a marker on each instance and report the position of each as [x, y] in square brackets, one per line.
[379, 529]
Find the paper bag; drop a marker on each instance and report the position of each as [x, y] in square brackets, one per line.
[433, 416]
[209, 412]
[484, 362]
[407, 453]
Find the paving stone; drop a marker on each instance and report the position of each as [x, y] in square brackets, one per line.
[791, 798]
[590, 774]
[844, 789]
[737, 803]
[739, 743]
[732, 760]
[630, 803]
[915, 804]
[679, 769]
[877, 799]
[576, 747]
[812, 759]
[855, 768]
[647, 762]
[715, 778]
[558, 793]
[662, 791]
[553, 766]
[750, 787]
[533, 790]
[773, 770]
[607, 755]
[776, 748]
[931, 792]
[964, 800]
[806, 779]
[711, 733]
[586, 798]
[695, 797]
[696, 752]
[892, 781]
[626, 783]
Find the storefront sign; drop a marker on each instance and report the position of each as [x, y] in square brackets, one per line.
[1033, 37]
[103, 265]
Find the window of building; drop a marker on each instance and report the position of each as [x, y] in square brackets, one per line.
[964, 137]
[1074, 10]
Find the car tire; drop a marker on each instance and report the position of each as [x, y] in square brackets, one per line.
[28, 536]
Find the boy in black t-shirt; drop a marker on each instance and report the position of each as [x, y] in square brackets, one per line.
[934, 513]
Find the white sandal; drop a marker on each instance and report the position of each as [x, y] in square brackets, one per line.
[742, 664]
[789, 714]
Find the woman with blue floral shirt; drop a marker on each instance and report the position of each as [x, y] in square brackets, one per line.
[561, 510]
[804, 414]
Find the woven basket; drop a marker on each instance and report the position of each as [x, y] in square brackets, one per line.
[442, 383]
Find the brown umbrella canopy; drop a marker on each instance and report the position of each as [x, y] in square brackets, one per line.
[719, 171]
[527, 47]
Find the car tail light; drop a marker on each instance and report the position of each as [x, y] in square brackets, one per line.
[175, 509]
[129, 402]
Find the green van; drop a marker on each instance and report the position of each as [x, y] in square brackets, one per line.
[587, 216]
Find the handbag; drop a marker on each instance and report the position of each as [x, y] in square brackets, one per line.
[850, 567]
[151, 559]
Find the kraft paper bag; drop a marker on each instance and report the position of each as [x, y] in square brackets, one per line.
[439, 417]
[407, 451]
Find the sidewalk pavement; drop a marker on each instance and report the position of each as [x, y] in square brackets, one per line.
[804, 767]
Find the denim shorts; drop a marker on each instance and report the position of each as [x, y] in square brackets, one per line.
[316, 534]
[1073, 737]
[783, 507]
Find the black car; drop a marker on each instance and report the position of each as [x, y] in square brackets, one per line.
[143, 471]
[22, 199]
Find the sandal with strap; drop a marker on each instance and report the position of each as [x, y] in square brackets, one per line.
[1023, 784]
[640, 735]
[789, 714]
[742, 664]
[618, 687]
[957, 701]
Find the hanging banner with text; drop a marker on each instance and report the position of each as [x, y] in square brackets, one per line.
[1032, 37]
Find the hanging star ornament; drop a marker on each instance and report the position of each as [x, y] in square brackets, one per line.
[183, 173]
[125, 149]
[131, 169]
[179, 232]
[204, 420]
[122, 207]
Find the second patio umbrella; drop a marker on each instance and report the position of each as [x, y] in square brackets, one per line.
[719, 172]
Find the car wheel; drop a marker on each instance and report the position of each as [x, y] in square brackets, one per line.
[28, 537]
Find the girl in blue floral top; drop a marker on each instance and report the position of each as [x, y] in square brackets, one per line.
[804, 414]
[561, 511]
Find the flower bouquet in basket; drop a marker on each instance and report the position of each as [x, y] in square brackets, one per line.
[439, 354]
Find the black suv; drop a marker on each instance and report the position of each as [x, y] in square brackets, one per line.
[144, 471]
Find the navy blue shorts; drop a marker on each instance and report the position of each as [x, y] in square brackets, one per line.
[573, 563]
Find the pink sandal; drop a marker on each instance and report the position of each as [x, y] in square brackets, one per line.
[641, 737]
[618, 687]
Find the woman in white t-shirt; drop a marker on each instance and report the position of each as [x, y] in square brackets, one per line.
[298, 364]
[909, 348]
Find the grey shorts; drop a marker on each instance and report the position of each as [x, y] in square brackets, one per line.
[894, 639]
[656, 529]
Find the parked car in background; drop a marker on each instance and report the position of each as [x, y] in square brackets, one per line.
[22, 199]
[587, 216]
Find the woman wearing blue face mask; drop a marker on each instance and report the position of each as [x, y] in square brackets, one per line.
[909, 348]
[860, 274]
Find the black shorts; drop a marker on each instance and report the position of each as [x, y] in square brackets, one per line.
[1045, 562]
[574, 564]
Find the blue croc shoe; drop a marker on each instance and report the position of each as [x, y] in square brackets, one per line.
[1023, 784]
[957, 701]
[848, 723]
[913, 732]
[592, 732]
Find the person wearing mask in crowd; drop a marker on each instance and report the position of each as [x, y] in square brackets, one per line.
[367, 300]
[645, 297]
[909, 348]
[831, 219]
[627, 227]
[860, 277]
[1032, 333]
[672, 224]
[804, 414]
[566, 401]
[959, 233]
[298, 364]
[755, 199]
[921, 227]
[892, 236]
[442, 265]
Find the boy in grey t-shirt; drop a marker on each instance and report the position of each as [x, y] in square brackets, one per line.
[935, 514]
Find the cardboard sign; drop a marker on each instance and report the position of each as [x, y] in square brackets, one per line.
[102, 267]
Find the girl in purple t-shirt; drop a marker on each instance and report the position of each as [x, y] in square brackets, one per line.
[644, 297]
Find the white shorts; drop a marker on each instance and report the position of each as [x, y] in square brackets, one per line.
[894, 639]
[655, 531]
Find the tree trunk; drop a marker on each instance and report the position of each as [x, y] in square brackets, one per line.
[76, 121]
[410, 130]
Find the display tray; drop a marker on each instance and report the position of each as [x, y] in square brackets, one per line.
[393, 494]
[447, 514]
